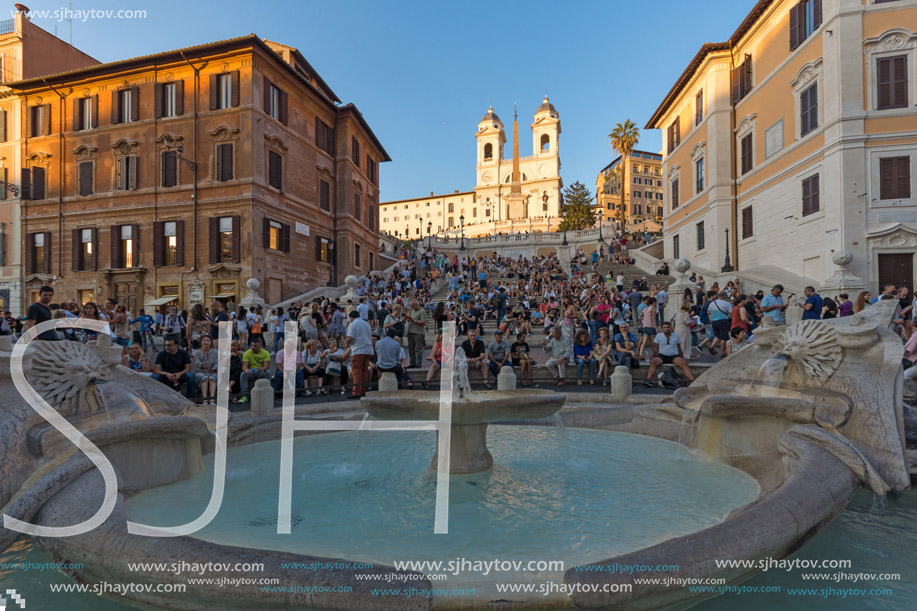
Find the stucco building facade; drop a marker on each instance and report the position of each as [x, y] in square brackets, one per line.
[798, 135]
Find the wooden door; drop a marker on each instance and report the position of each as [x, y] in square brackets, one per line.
[897, 269]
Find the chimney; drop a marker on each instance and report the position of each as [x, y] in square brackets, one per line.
[431, 193]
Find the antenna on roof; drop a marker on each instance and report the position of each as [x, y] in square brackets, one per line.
[70, 20]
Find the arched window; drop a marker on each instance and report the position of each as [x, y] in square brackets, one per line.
[545, 143]
[488, 151]
[451, 222]
[451, 207]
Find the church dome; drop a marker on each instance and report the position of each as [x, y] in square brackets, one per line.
[546, 106]
[491, 116]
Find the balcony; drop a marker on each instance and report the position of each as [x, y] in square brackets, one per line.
[7, 26]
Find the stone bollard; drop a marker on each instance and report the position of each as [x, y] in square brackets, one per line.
[388, 381]
[507, 378]
[621, 381]
[262, 396]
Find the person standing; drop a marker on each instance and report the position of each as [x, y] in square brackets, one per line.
[813, 305]
[417, 325]
[720, 312]
[773, 307]
[40, 312]
[173, 325]
[360, 343]
[217, 315]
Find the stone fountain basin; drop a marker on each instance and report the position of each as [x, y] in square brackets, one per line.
[482, 407]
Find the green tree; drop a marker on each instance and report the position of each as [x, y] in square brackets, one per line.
[578, 211]
[623, 139]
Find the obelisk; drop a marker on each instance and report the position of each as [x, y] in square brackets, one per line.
[516, 201]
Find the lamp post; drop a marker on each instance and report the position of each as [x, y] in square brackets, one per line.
[430, 235]
[462, 223]
[407, 234]
[601, 213]
[563, 221]
[728, 266]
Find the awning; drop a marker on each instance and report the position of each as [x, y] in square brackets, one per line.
[224, 296]
[161, 301]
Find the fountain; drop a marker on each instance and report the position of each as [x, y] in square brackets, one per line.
[790, 427]
[471, 413]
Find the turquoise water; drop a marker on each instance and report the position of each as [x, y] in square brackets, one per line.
[877, 538]
[617, 493]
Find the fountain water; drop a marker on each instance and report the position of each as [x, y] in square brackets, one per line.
[769, 376]
[361, 433]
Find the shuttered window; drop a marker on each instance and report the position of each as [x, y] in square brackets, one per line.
[355, 150]
[701, 241]
[324, 189]
[895, 178]
[746, 154]
[38, 183]
[169, 168]
[168, 243]
[674, 134]
[675, 195]
[224, 162]
[810, 203]
[125, 105]
[127, 173]
[39, 120]
[226, 239]
[356, 206]
[275, 101]
[86, 113]
[748, 228]
[892, 82]
[742, 80]
[808, 110]
[805, 18]
[324, 136]
[276, 235]
[38, 256]
[699, 175]
[3, 126]
[676, 247]
[86, 177]
[275, 170]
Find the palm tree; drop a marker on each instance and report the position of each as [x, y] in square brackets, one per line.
[623, 139]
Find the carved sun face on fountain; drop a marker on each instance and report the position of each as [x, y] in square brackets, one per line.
[812, 346]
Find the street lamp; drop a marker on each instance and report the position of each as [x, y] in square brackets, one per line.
[563, 221]
[728, 266]
[601, 213]
[331, 269]
[407, 233]
[430, 234]
[462, 223]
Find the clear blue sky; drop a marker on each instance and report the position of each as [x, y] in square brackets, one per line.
[423, 73]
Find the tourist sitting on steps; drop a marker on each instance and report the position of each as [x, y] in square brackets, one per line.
[667, 351]
[173, 367]
[256, 365]
[476, 353]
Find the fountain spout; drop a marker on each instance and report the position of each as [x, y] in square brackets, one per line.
[771, 373]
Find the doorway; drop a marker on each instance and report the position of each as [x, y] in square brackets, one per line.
[897, 269]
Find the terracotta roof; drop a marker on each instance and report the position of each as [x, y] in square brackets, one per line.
[705, 50]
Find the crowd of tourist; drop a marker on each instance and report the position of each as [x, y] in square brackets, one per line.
[591, 320]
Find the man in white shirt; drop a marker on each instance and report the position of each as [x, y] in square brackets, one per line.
[667, 351]
[360, 341]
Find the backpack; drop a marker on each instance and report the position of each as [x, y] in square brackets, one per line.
[671, 380]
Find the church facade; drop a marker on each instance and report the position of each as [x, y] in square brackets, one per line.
[510, 195]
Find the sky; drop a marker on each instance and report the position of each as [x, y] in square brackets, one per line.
[424, 73]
